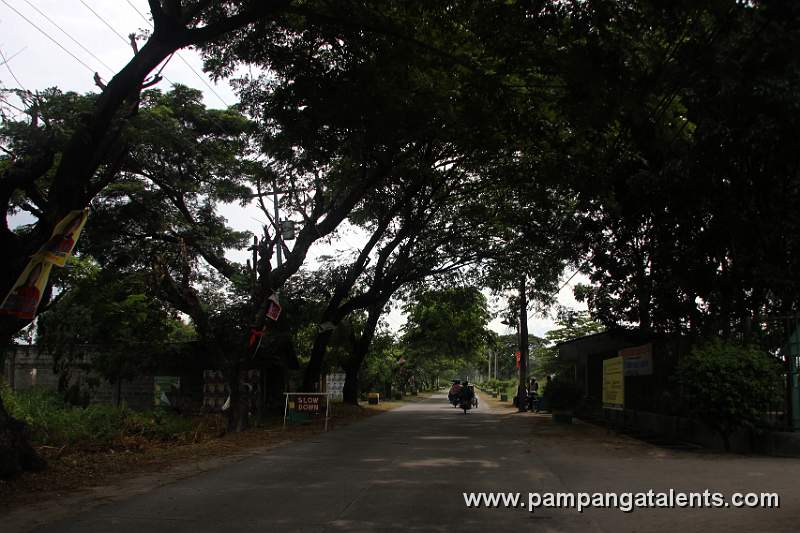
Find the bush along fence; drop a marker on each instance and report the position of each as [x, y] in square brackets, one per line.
[739, 393]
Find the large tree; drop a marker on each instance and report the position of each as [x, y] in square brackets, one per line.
[53, 178]
[688, 187]
[445, 328]
[62, 171]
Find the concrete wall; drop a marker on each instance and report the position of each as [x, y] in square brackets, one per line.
[137, 394]
[26, 367]
[675, 428]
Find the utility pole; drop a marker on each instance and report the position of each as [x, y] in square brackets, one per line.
[523, 344]
[278, 229]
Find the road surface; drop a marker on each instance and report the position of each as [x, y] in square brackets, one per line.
[407, 470]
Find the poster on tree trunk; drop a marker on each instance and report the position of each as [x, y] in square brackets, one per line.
[274, 309]
[24, 297]
[65, 235]
[334, 385]
[216, 391]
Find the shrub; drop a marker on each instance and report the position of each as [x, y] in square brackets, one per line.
[494, 384]
[54, 423]
[727, 386]
[562, 394]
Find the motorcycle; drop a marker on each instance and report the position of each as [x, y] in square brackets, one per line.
[465, 404]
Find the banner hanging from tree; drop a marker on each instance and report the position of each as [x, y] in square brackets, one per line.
[65, 235]
[24, 297]
[274, 309]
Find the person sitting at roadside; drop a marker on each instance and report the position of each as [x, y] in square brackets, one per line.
[533, 396]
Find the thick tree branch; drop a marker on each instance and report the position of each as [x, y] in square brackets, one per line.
[204, 34]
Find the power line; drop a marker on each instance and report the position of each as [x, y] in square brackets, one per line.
[140, 13]
[100, 17]
[54, 23]
[572, 276]
[109, 26]
[122, 37]
[9, 104]
[210, 88]
[8, 66]
[29, 21]
[12, 56]
[201, 78]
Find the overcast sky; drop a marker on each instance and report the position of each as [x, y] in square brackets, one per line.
[94, 35]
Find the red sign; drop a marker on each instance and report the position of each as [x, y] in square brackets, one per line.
[519, 356]
[307, 404]
[274, 309]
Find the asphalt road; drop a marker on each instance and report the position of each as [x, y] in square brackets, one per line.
[407, 470]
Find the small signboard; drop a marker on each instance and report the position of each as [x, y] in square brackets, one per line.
[306, 403]
[301, 405]
[613, 384]
[637, 360]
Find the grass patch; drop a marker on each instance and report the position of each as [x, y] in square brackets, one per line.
[54, 423]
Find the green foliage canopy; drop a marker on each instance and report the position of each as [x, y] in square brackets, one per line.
[728, 386]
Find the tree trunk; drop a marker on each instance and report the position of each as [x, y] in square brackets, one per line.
[360, 350]
[350, 391]
[88, 149]
[523, 344]
[16, 453]
[314, 368]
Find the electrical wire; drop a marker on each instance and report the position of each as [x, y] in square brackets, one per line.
[109, 26]
[572, 276]
[74, 40]
[140, 13]
[81, 62]
[29, 21]
[9, 104]
[12, 56]
[8, 66]
[159, 73]
[201, 78]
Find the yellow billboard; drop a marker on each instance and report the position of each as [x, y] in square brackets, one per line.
[65, 235]
[613, 383]
[24, 297]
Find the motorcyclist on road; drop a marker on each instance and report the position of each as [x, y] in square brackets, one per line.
[467, 393]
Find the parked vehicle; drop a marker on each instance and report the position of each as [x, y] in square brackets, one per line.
[455, 392]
